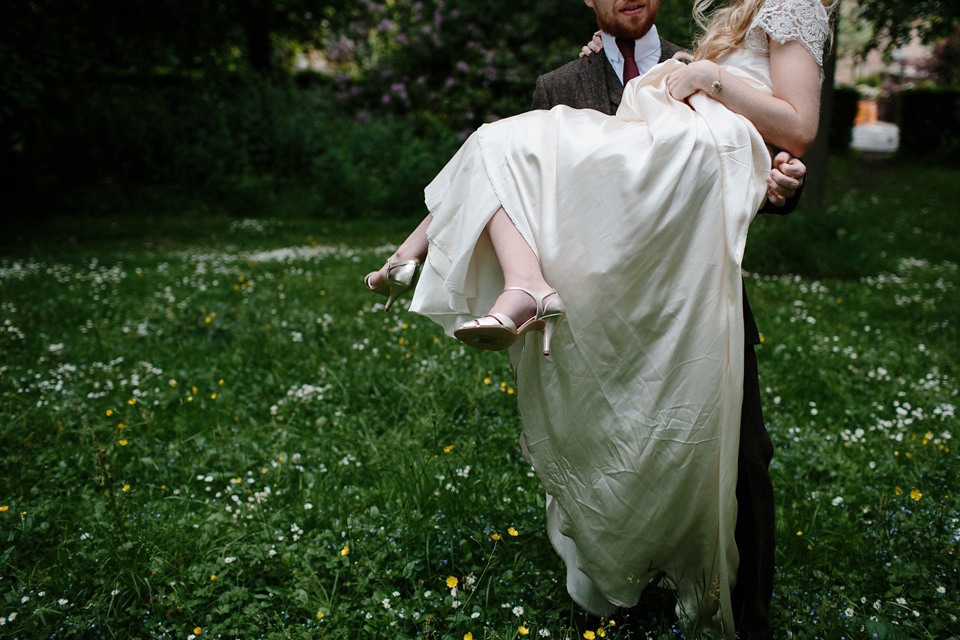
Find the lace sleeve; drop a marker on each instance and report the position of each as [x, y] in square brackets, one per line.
[805, 21]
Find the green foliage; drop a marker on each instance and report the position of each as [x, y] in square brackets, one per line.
[895, 23]
[944, 62]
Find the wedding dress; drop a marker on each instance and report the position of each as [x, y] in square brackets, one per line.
[640, 222]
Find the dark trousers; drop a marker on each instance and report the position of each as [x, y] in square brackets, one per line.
[755, 530]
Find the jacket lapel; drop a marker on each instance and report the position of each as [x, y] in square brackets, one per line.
[594, 81]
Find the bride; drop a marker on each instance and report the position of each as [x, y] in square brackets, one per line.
[619, 239]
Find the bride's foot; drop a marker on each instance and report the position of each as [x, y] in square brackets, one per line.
[394, 279]
[516, 311]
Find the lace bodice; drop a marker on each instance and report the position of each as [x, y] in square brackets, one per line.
[804, 21]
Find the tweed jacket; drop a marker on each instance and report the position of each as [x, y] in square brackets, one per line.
[591, 83]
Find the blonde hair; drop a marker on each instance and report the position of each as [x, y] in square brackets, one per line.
[725, 29]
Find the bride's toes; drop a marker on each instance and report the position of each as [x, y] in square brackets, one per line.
[376, 281]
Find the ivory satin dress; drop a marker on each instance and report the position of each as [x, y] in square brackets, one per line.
[640, 222]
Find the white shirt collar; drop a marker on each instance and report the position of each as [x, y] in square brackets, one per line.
[647, 51]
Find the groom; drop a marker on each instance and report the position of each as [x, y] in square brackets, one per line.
[596, 82]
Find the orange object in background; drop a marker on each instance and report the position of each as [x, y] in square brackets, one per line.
[866, 112]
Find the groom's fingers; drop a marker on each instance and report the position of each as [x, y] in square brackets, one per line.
[782, 184]
[775, 198]
[788, 165]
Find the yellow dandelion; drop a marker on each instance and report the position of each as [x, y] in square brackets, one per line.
[522, 630]
[401, 340]
[173, 383]
[589, 635]
[4, 507]
[345, 551]
[916, 495]
[799, 533]
[126, 487]
[220, 382]
[468, 636]
[448, 448]
[513, 532]
[510, 391]
[237, 480]
[486, 381]
[452, 581]
[109, 412]
[189, 398]
[123, 442]
[213, 576]
[495, 536]
[121, 426]
[197, 630]
[897, 490]
[132, 401]
[213, 396]
[320, 615]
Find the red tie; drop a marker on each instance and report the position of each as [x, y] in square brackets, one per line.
[627, 48]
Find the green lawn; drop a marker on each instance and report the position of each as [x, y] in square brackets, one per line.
[211, 429]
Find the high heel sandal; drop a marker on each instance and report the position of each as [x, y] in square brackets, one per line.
[401, 277]
[496, 331]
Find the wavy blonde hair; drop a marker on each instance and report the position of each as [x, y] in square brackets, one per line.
[725, 29]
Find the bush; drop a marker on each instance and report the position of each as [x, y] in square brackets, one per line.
[231, 146]
[929, 120]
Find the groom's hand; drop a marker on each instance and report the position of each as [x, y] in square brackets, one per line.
[594, 46]
[786, 176]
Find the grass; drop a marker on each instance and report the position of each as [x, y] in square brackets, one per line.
[210, 429]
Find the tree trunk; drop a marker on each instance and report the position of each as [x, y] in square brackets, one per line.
[815, 184]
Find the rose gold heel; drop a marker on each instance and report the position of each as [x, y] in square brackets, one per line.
[496, 331]
[401, 277]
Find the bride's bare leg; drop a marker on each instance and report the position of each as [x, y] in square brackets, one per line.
[413, 248]
[520, 266]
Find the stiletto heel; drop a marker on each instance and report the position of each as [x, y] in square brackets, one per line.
[401, 277]
[496, 331]
[550, 323]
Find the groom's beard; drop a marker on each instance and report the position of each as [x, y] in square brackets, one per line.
[630, 32]
[622, 27]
